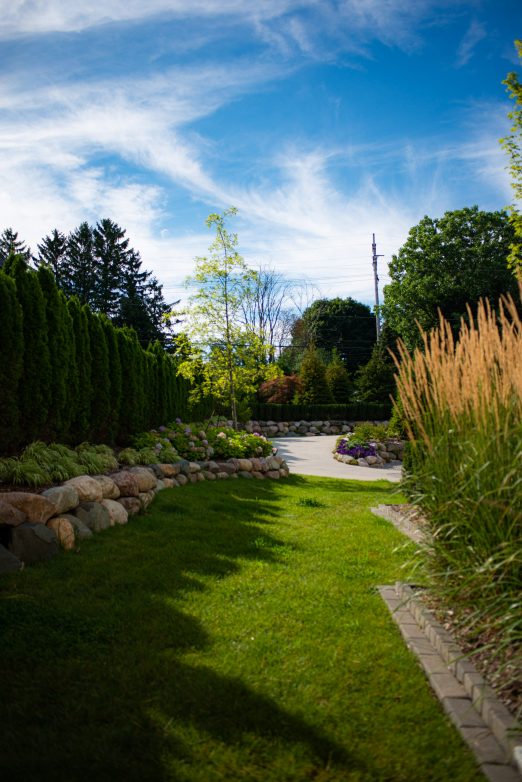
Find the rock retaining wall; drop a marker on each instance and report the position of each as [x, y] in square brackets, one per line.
[34, 527]
[298, 428]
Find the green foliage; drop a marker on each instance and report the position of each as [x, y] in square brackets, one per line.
[375, 381]
[338, 380]
[100, 383]
[397, 422]
[228, 443]
[313, 379]
[11, 363]
[220, 356]
[36, 378]
[444, 265]
[80, 423]
[355, 411]
[11, 246]
[27, 472]
[513, 146]
[128, 456]
[367, 432]
[342, 324]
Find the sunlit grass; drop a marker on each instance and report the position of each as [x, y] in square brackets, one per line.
[234, 632]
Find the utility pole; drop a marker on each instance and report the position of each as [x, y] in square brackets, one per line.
[376, 279]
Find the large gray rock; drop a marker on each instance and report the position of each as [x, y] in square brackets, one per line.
[89, 490]
[11, 515]
[8, 562]
[131, 505]
[63, 498]
[169, 470]
[81, 531]
[33, 542]
[109, 489]
[93, 515]
[36, 508]
[145, 477]
[117, 513]
[127, 483]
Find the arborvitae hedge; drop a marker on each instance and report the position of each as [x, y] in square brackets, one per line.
[69, 375]
[34, 387]
[11, 363]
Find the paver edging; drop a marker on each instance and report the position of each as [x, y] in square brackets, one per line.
[484, 722]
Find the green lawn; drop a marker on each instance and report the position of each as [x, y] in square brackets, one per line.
[232, 633]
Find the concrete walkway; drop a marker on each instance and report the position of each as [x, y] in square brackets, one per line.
[313, 456]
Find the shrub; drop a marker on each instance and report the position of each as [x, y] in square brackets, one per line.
[338, 380]
[280, 390]
[463, 409]
[313, 379]
[366, 431]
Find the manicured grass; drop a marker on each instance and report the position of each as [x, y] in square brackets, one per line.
[232, 633]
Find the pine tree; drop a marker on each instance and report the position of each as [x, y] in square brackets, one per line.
[338, 379]
[375, 381]
[35, 382]
[10, 244]
[53, 253]
[11, 363]
[80, 425]
[313, 378]
[111, 256]
[81, 267]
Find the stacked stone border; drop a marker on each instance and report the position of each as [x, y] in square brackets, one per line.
[34, 526]
[483, 721]
[299, 428]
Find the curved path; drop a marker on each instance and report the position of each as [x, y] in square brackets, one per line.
[313, 456]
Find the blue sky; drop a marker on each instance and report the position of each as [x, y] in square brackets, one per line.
[321, 121]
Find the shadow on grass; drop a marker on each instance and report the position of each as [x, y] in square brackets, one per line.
[93, 644]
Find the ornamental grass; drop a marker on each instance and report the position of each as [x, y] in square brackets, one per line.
[462, 401]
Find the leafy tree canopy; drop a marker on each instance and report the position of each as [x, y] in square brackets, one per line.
[445, 264]
[513, 146]
[345, 325]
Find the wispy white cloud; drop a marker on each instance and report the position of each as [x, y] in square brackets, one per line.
[473, 36]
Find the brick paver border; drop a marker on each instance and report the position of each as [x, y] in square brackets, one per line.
[483, 721]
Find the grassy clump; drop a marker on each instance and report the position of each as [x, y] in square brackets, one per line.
[462, 402]
[233, 633]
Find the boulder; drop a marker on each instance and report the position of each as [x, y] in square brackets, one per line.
[131, 505]
[169, 470]
[194, 467]
[145, 477]
[227, 467]
[274, 474]
[209, 476]
[184, 467]
[193, 477]
[89, 490]
[80, 530]
[64, 531]
[63, 498]
[33, 542]
[273, 462]
[257, 474]
[145, 498]
[283, 473]
[8, 562]
[11, 515]
[200, 477]
[126, 482]
[170, 483]
[94, 515]
[182, 479]
[160, 485]
[256, 464]
[109, 489]
[245, 474]
[36, 507]
[117, 513]
[245, 465]
[213, 466]
[222, 475]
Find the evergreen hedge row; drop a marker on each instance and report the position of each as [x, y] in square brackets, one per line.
[68, 375]
[360, 411]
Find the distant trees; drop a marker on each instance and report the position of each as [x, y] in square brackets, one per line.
[344, 325]
[10, 244]
[513, 146]
[445, 264]
[97, 265]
